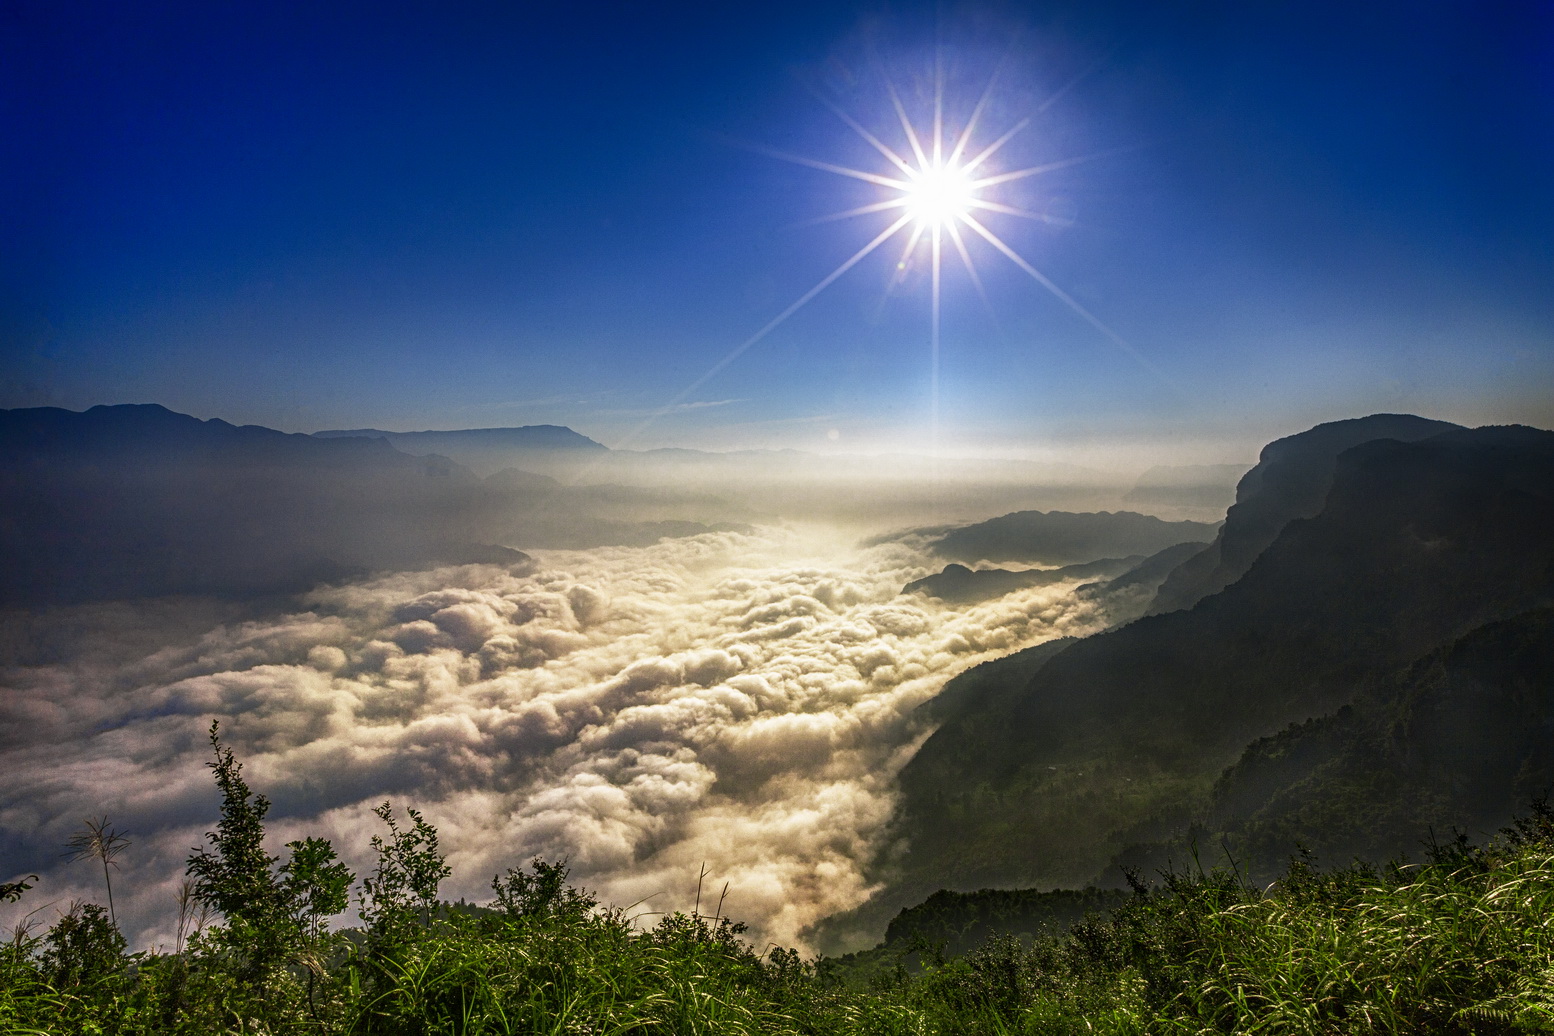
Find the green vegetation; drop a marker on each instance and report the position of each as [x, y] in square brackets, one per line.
[1459, 944]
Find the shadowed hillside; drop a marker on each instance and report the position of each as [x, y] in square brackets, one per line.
[1458, 740]
[1119, 738]
[1290, 481]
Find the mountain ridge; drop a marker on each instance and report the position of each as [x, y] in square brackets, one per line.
[136, 500]
[957, 584]
[1125, 732]
[529, 436]
[1289, 481]
[1066, 537]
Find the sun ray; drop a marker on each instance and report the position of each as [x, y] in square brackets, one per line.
[1007, 210]
[906, 123]
[938, 109]
[898, 272]
[935, 192]
[1095, 67]
[992, 149]
[840, 170]
[971, 269]
[861, 210]
[857, 127]
[1064, 297]
[1049, 167]
[937, 250]
[771, 325]
[976, 114]
[933, 347]
[902, 264]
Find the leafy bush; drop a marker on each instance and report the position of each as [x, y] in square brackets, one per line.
[83, 947]
[543, 895]
[271, 914]
[410, 867]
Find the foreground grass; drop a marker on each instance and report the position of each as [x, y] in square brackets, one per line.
[1460, 944]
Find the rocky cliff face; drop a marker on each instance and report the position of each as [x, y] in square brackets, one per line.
[1290, 481]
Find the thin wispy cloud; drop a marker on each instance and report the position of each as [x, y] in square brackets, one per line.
[672, 408]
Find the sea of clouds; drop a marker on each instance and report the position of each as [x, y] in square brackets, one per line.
[734, 701]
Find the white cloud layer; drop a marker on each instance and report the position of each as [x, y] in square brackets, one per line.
[738, 700]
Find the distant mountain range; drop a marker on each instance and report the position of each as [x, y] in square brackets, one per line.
[527, 437]
[488, 450]
[127, 501]
[1066, 538]
[958, 584]
[1187, 486]
[872, 490]
[134, 501]
[1377, 664]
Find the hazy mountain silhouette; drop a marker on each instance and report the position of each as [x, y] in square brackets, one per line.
[1066, 538]
[130, 501]
[1199, 487]
[957, 584]
[133, 501]
[764, 485]
[1119, 738]
[487, 450]
[1290, 481]
[525, 437]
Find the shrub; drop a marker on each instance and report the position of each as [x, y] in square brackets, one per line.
[270, 914]
[409, 869]
[82, 948]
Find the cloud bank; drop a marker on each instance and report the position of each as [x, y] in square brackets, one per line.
[737, 700]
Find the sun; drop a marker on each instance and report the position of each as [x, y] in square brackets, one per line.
[938, 190]
[939, 195]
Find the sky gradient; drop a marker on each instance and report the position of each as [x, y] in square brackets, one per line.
[401, 217]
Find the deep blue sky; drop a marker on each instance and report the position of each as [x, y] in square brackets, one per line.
[418, 215]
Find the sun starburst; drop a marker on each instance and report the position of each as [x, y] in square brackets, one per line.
[933, 189]
[940, 190]
[939, 195]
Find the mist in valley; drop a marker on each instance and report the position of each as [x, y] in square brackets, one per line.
[730, 693]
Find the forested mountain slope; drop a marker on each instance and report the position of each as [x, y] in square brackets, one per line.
[1119, 739]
